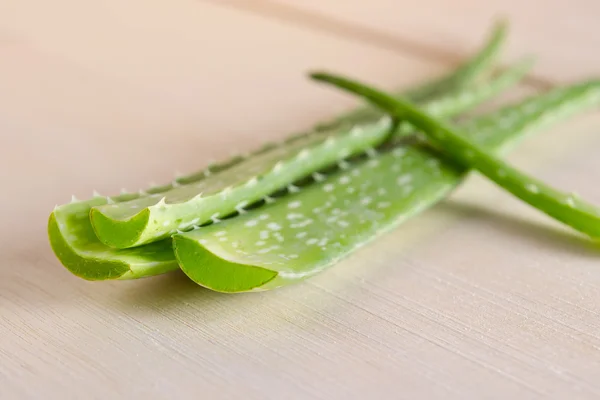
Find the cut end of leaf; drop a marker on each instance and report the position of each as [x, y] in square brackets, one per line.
[215, 273]
[86, 268]
[116, 233]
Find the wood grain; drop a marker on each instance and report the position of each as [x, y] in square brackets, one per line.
[561, 34]
[479, 298]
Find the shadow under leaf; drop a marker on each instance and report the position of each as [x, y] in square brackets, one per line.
[544, 235]
[165, 291]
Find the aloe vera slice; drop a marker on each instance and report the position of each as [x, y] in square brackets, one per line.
[76, 246]
[74, 243]
[564, 207]
[303, 233]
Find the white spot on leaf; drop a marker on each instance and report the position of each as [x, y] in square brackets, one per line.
[274, 226]
[532, 188]
[404, 180]
[294, 204]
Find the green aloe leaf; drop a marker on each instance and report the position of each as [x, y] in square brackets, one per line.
[151, 218]
[468, 71]
[305, 232]
[79, 250]
[564, 207]
[76, 246]
[475, 69]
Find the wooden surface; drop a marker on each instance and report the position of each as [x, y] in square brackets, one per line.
[480, 297]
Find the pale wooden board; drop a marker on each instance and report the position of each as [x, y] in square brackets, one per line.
[462, 302]
[562, 35]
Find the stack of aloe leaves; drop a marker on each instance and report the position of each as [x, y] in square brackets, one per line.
[290, 210]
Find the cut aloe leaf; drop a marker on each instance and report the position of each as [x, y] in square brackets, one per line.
[156, 217]
[151, 218]
[79, 250]
[305, 232]
[75, 245]
[564, 207]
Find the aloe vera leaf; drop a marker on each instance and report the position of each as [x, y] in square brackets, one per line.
[151, 218]
[468, 71]
[454, 104]
[78, 249]
[156, 217]
[564, 207]
[306, 232]
[72, 240]
[476, 67]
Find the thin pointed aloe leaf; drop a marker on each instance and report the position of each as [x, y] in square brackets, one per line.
[152, 218]
[469, 71]
[305, 232]
[454, 104]
[466, 74]
[564, 207]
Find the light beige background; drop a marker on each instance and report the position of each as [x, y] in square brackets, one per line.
[480, 297]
